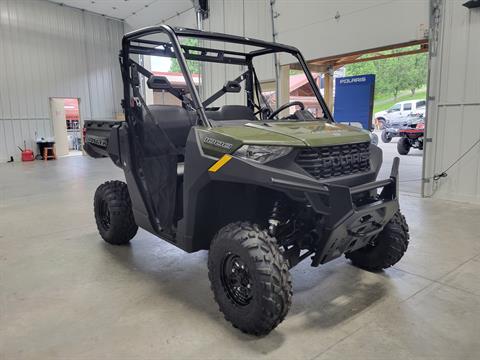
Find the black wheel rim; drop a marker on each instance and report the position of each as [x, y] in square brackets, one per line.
[236, 279]
[105, 215]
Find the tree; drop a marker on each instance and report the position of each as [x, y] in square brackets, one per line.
[418, 73]
[394, 74]
[361, 68]
[193, 66]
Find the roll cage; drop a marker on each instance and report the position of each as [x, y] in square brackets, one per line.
[135, 43]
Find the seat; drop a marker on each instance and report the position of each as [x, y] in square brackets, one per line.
[231, 112]
[175, 121]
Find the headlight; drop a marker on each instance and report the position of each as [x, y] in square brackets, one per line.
[262, 154]
[373, 138]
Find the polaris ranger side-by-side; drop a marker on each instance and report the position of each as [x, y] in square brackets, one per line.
[260, 189]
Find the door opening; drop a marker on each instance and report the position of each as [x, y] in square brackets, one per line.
[399, 103]
[66, 123]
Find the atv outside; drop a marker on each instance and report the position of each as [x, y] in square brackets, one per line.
[392, 128]
[411, 136]
[260, 188]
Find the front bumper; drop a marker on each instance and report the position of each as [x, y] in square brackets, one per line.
[347, 224]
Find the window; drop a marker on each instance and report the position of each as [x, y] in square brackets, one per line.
[421, 103]
[407, 106]
[395, 107]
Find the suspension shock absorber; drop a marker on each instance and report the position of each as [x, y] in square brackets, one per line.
[274, 220]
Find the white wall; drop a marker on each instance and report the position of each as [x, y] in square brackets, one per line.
[311, 26]
[245, 18]
[454, 110]
[174, 13]
[362, 24]
[47, 50]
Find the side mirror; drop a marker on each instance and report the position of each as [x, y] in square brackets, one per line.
[232, 87]
[158, 83]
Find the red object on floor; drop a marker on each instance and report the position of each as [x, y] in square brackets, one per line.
[27, 155]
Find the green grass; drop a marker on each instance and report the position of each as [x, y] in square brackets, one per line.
[383, 104]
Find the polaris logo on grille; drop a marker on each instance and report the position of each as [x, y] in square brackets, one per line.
[343, 160]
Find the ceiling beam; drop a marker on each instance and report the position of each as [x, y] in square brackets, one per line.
[334, 58]
[382, 56]
[322, 65]
[313, 67]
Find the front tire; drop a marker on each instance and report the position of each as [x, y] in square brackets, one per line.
[388, 248]
[403, 146]
[113, 213]
[381, 123]
[250, 278]
[386, 137]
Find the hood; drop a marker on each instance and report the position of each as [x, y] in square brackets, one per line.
[295, 133]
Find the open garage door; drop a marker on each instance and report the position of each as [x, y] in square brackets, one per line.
[398, 112]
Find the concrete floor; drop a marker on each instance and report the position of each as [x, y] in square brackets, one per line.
[410, 165]
[65, 294]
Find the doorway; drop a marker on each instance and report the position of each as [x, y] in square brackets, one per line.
[398, 109]
[66, 123]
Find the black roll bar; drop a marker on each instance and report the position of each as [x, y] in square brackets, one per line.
[183, 52]
[127, 39]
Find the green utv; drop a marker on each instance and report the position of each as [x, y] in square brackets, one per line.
[261, 189]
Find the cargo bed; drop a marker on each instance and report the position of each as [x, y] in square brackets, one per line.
[97, 135]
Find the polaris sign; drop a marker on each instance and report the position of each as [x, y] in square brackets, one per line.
[354, 99]
[352, 80]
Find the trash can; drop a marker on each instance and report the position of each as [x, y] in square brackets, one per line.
[41, 145]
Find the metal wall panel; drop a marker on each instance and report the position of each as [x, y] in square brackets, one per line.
[454, 109]
[318, 28]
[47, 51]
[244, 18]
[323, 27]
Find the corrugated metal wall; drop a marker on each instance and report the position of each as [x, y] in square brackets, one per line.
[454, 109]
[47, 50]
[238, 17]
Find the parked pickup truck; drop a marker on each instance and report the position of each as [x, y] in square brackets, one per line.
[400, 112]
[101, 137]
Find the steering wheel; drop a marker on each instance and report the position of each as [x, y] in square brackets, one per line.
[286, 106]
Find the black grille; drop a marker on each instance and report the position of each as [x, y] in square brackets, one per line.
[339, 160]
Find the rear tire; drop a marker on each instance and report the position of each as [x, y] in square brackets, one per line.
[389, 246]
[386, 137]
[113, 213]
[250, 278]
[403, 146]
